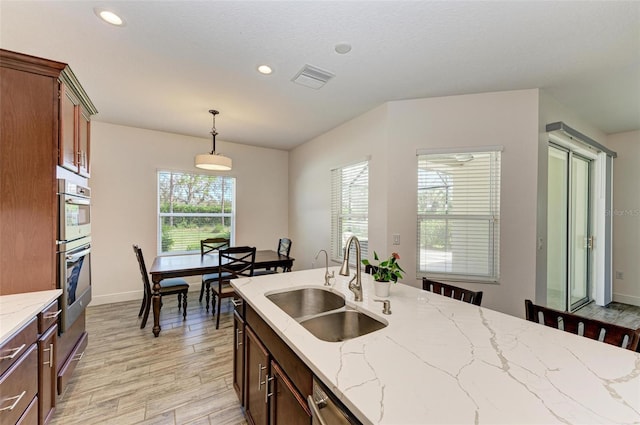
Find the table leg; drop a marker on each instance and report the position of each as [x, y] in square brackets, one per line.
[155, 298]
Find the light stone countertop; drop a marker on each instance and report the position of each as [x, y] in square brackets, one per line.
[444, 361]
[17, 309]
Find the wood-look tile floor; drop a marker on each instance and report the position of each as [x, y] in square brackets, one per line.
[127, 376]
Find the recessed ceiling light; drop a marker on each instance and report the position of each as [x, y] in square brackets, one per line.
[109, 17]
[342, 48]
[265, 69]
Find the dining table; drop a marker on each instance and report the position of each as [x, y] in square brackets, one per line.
[168, 266]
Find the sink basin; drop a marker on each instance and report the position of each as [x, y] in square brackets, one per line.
[299, 303]
[341, 325]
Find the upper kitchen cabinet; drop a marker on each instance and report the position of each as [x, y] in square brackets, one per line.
[43, 112]
[75, 125]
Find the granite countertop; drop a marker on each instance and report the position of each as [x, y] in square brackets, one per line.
[17, 309]
[444, 361]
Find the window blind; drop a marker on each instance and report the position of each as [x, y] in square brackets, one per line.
[349, 209]
[459, 215]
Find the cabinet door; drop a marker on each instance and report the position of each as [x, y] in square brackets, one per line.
[47, 374]
[68, 130]
[84, 143]
[287, 405]
[238, 356]
[257, 370]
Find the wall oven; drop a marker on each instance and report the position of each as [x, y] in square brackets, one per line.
[74, 278]
[75, 210]
[73, 250]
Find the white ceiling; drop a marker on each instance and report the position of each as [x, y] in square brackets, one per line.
[175, 60]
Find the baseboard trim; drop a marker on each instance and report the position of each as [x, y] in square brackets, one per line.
[627, 299]
[132, 295]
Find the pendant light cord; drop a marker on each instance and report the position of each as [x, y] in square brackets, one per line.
[214, 133]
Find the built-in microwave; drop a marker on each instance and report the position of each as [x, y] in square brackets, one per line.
[75, 210]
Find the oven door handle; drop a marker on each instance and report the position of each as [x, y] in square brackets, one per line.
[77, 201]
[77, 255]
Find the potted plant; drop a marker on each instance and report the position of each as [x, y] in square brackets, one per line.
[384, 273]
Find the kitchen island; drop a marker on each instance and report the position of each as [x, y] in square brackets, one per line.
[445, 361]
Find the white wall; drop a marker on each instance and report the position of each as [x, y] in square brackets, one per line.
[391, 134]
[124, 163]
[626, 216]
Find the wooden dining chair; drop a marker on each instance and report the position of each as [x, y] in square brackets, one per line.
[171, 286]
[284, 248]
[466, 295]
[233, 262]
[210, 246]
[591, 328]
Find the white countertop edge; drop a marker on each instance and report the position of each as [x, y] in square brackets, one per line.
[17, 309]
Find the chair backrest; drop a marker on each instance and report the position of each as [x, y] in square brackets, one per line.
[213, 244]
[143, 270]
[238, 261]
[284, 246]
[466, 295]
[590, 328]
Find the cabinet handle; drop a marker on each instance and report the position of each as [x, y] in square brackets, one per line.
[50, 350]
[15, 352]
[238, 342]
[260, 381]
[78, 357]
[52, 315]
[15, 403]
[237, 303]
[267, 394]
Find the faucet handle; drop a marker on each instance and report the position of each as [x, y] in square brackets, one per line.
[386, 306]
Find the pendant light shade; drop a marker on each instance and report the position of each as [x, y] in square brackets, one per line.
[213, 160]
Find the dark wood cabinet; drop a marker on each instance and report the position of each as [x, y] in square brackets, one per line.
[287, 406]
[256, 373]
[44, 122]
[276, 381]
[238, 355]
[47, 374]
[74, 139]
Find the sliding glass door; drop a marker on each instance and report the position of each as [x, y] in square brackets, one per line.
[568, 229]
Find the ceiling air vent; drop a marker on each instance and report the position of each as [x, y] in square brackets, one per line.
[311, 76]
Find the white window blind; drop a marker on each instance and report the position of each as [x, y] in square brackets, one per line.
[192, 207]
[459, 215]
[349, 209]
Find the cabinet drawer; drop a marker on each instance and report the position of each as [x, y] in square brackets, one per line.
[18, 387]
[30, 417]
[48, 317]
[66, 371]
[17, 345]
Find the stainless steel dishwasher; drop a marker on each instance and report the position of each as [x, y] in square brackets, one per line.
[326, 409]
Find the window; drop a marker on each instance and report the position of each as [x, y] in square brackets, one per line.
[192, 207]
[349, 209]
[459, 215]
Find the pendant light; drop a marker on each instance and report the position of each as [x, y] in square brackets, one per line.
[213, 160]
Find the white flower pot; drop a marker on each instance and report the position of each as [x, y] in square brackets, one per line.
[381, 289]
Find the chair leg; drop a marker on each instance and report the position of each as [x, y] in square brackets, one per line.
[201, 291]
[144, 302]
[213, 303]
[208, 291]
[147, 306]
[218, 317]
[179, 301]
[184, 307]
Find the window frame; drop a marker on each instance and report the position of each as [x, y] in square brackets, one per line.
[338, 218]
[160, 215]
[491, 216]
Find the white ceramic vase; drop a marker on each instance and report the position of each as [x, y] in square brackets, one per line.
[381, 289]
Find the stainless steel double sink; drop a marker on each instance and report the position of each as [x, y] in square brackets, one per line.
[325, 314]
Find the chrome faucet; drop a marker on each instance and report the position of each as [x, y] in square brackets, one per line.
[327, 276]
[355, 284]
